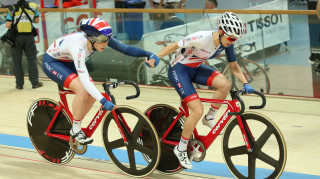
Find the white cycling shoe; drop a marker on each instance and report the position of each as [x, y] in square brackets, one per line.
[183, 158]
[210, 122]
[81, 137]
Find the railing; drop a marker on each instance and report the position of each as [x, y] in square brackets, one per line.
[280, 60]
[237, 11]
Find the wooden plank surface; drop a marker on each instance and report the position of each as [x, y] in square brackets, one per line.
[298, 118]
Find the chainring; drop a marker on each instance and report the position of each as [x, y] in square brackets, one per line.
[196, 150]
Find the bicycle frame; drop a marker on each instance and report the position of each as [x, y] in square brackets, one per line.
[207, 140]
[90, 129]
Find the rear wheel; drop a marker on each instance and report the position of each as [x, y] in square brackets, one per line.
[269, 155]
[162, 116]
[39, 117]
[142, 139]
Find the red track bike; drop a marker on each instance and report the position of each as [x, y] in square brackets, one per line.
[250, 140]
[49, 123]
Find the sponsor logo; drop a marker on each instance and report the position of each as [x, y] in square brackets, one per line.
[31, 113]
[176, 60]
[175, 76]
[48, 67]
[220, 122]
[193, 96]
[267, 21]
[67, 156]
[95, 119]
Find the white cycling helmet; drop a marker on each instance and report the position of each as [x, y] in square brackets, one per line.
[231, 24]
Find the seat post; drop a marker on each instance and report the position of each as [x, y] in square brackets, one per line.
[60, 87]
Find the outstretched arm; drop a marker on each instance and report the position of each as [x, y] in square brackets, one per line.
[168, 50]
[152, 59]
[128, 50]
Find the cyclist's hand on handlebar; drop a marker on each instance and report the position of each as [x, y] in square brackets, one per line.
[152, 61]
[108, 104]
[247, 88]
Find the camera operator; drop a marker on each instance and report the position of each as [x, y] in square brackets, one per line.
[21, 16]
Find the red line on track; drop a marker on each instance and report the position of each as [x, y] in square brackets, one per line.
[66, 165]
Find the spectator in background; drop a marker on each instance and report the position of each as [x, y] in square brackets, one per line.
[171, 20]
[176, 4]
[211, 4]
[155, 4]
[157, 18]
[24, 41]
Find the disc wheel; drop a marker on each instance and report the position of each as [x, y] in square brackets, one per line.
[141, 137]
[269, 155]
[161, 116]
[39, 117]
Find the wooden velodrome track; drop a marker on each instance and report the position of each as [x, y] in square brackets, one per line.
[298, 118]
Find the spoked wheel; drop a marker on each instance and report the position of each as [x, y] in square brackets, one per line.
[39, 117]
[269, 155]
[161, 116]
[142, 73]
[142, 139]
[256, 76]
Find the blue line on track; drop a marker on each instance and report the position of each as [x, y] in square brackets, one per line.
[204, 167]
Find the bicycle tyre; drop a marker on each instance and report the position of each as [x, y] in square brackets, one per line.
[142, 130]
[256, 76]
[161, 116]
[39, 117]
[269, 148]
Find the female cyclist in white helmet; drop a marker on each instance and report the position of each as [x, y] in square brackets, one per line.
[186, 67]
[64, 63]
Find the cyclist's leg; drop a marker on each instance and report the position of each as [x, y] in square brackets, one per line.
[64, 73]
[82, 102]
[180, 76]
[209, 76]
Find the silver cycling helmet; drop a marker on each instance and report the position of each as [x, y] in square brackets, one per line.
[231, 24]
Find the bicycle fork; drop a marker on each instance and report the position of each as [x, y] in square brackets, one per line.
[246, 133]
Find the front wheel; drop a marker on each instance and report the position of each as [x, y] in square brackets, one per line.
[141, 139]
[39, 117]
[269, 155]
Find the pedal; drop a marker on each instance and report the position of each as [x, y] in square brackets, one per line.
[77, 147]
